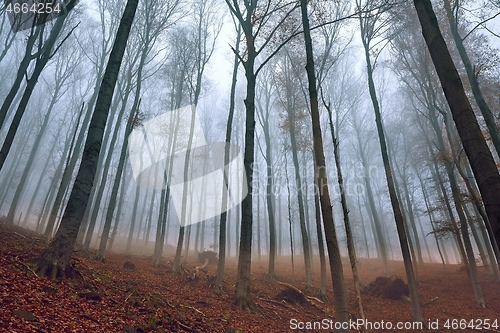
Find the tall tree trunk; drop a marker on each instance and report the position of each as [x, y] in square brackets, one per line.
[229, 126]
[290, 218]
[345, 211]
[300, 197]
[339, 290]
[321, 246]
[54, 261]
[398, 216]
[478, 153]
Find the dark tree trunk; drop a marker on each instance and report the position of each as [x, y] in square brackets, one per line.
[54, 261]
[339, 290]
[480, 158]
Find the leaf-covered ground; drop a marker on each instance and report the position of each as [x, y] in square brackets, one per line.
[108, 298]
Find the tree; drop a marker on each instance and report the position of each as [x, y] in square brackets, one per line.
[229, 126]
[54, 261]
[321, 181]
[202, 36]
[44, 54]
[246, 15]
[65, 64]
[480, 157]
[472, 73]
[369, 30]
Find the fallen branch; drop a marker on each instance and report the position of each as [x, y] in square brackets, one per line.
[198, 268]
[185, 327]
[307, 298]
[192, 308]
[315, 299]
[26, 266]
[429, 302]
[282, 303]
[15, 233]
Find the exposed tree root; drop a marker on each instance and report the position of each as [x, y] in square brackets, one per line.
[323, 297]
[53, 271]
[245, 304]
[100, 258]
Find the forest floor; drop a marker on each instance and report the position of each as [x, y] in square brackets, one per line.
[108, 298]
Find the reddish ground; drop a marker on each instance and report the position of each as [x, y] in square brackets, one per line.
[108, 298]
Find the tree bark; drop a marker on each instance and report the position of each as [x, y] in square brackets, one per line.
[55, 260]
[321, 181]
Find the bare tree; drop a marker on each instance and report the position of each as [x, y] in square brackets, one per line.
[370, 29]
[54, 262]
[480, 157]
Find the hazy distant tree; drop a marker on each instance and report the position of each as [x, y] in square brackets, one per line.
[54, 261]
[362, 149]
[201, 38]
[294, 104]
[65, 63]
[229, 126]
[45, 53]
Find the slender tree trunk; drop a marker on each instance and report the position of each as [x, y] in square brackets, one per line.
[133, 222]
[398, 216]
[290, 218]
[300, 197]
[229, 125]
[339, 290]
[321, 246]
[345, 211]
